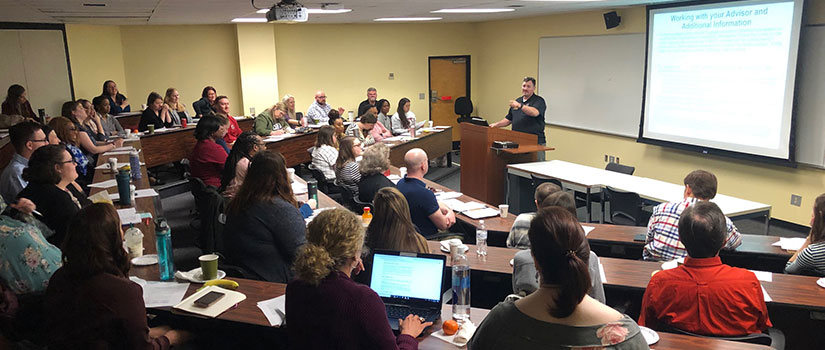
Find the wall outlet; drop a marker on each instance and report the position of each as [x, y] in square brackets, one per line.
[617, 159]
[422, 96]
[611, 159]
[392, 75]
[605, 158]
[796, 200]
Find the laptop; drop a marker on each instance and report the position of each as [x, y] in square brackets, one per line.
[408, 283]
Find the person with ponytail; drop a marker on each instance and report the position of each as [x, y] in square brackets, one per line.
[324, 287]
[810, 258]
[560, 314]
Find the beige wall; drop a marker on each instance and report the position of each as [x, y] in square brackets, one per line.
[184, 57]
[258, 69]
[501, 76]
[344, 60]
[96, 55]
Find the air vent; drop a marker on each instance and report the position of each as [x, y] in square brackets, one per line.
[94, 4]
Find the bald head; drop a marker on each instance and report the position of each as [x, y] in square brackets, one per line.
[320, 97]
[416, 162]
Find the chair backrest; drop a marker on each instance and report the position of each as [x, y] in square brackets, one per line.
[463, 106]
[620, 168]
[210, 205]
[753, 338]
[319, 176]
[625, 207]
[536, 181]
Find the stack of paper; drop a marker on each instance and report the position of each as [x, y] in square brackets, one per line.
[587, 229]
[315, 213]
[124, 148]
[128, 216]
[298, 188]
[443, 196]
[161, 294]
[459, 206]
[764, 276]
[790, 243]
[104, 184]
[481, 213]
[601, 273]
[106, 165]
[148, 192]
[230, 299]
[275, 310]
[765, 294]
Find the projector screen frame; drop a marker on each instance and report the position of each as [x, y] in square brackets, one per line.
[790, 162]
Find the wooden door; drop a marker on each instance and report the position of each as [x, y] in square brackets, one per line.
[449, 80]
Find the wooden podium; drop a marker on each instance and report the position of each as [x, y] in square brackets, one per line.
[484, 170]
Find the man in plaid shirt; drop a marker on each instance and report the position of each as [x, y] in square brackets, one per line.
[662, 241]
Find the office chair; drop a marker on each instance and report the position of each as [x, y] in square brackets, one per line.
[463, 108]
[625, 207]
[772, 337]
[581, 197]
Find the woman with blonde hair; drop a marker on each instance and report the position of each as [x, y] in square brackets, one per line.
[373, 165]
[176, 109]
[272, 121]
[288, 107]
[391, 227]
[324, 286]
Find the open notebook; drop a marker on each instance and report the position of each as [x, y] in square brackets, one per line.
[229, 300]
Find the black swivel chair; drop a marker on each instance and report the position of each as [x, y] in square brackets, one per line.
[463, 108]
[581, 197]
[626, 208]
[536, 181]
[772, 337]
[327, 187]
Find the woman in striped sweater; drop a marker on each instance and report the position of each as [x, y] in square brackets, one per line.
[810, 259]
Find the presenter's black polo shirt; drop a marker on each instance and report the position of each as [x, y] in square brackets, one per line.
[525, 123]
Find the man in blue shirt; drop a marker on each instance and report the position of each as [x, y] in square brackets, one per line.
[26, 137]
[526, 113]
[428, 215]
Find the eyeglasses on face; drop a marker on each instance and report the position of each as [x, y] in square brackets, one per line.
[69, 161]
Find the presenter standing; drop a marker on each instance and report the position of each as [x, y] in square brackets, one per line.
[527, 113]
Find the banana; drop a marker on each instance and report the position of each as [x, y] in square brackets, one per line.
[224, 283]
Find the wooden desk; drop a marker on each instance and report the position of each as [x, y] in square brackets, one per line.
[294, 148]
[436, 144]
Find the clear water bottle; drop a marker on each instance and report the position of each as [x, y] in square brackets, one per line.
[461, 288]
[163, 239]
[134, 162]
[481, 239]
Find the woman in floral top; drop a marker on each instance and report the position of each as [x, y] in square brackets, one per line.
[27, 260]
[560, 314]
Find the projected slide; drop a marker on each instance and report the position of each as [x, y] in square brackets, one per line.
[406, 277]
[722, 75]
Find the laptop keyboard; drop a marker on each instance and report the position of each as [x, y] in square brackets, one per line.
[401, 312]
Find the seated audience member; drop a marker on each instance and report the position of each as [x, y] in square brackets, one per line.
[288, 105]
[67, 133]
[376, 161]
[662, 241]
[391, 227]
[318, 112]
[234, 130]
[525, 277]
[271, 121]
[264, 227]
[92, 123]
[234, 171]
[50, 135]
[325, 153]
[28, 260]
[86, 137]
[324, 286]
[117, 102]
[362, 129]
[372, 97]
[403, 119]
[704, 296]
[337, 122]
[346, 166]
[157, 114]
[17, 103]
[810, 258]
[208, 157]
[518, 233]
[110, 124]
[176, 109]
[383, 112]
[379, 132]
[428, 215]
[560, 314]
[90, 300]
[204, 106]
[25, 137]
[51, 174]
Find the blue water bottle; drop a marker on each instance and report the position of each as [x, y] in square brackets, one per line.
[123, 189]
[163, 240]
[134, 162]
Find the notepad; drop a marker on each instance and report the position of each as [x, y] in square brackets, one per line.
[587, 229]
[790, 243]
[104, 184]
[481, 213]
[161, 294]
[148, 192]
[443, 196]
[230, 299]
[271, 309]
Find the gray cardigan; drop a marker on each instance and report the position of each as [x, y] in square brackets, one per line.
[265, 238]
[525, 278]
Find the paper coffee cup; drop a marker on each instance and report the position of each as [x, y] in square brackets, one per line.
[430, 124]
[349, 114]
[290, 174]
[504, 210]
[403, 171]
[151, 128]
[209, 266]
[112, 163]
[128, 132]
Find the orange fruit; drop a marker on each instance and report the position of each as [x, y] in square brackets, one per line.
[450, 327]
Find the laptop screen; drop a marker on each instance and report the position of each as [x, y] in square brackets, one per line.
[407, 276]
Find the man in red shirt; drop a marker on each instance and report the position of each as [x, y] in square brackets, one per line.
[704, 296]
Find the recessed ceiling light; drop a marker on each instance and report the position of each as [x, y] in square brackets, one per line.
[249, 20]
[473, 10]
[406, 19]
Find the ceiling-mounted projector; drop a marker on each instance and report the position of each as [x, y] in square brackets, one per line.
[287, 11]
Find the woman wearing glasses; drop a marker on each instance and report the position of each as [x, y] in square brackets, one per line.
[68, 134]
[51, 174]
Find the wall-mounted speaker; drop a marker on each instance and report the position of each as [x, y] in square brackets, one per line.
[612, 19]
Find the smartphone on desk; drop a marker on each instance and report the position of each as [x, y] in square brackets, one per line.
[640, 237]
[208, 299]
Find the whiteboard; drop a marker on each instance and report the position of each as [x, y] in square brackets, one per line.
[593, 82]
[810, 97]
[35, 59]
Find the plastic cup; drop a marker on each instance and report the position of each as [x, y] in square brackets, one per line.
[290, 174]
[128, 132]
[403, 171]
[112, 164]
[209, 266]
[430, 124]
[504, 210]
[151, 128]
[349, 114]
